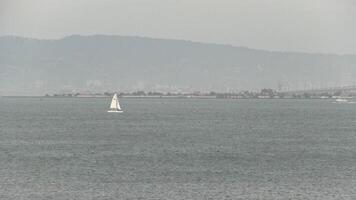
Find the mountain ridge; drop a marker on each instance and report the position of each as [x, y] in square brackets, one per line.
[126, 63]
[171, 39]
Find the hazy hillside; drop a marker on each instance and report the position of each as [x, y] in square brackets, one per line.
[101, 63]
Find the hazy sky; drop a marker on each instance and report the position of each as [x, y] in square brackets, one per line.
[293, 25]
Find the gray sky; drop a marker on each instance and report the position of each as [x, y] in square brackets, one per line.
[326, 26]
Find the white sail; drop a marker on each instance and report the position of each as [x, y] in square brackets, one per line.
[118, 105]
[115, 105]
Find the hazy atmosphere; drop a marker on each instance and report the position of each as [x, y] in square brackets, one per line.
[171, 45]
[322, 26]
[178, 99]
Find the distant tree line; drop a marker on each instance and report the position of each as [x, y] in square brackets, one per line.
[263, 94]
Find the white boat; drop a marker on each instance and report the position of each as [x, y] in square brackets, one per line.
[115, 105]
[341, 100]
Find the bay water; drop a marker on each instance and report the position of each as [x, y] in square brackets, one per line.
[71, 148]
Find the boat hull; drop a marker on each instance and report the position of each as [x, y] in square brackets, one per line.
[115, 111]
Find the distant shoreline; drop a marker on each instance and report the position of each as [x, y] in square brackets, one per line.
[172, 97]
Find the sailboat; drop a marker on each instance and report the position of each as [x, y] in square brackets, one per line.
[115, 105]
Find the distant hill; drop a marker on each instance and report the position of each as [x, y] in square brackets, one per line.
[104, 63]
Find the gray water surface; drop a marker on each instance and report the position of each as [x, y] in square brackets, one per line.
[177, 149]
